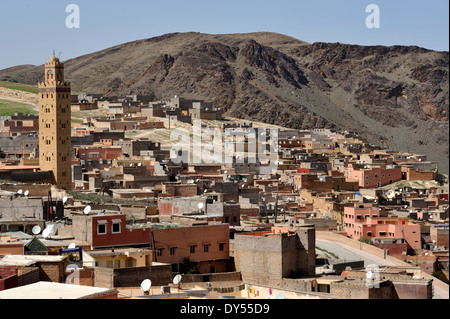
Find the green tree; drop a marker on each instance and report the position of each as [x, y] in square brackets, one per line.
[365, 240]
[189, 267]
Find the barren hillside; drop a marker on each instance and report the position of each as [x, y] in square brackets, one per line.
[396, 97]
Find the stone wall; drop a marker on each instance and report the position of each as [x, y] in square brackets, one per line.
[160, 275]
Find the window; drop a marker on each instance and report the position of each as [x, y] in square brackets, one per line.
[159, 252]
[116, 228]
[101, 230]
[205, 248]
[382, 233]
[192, 249]
[221, 246]
[172, 251]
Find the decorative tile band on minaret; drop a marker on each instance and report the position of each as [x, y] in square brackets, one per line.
[55, 124]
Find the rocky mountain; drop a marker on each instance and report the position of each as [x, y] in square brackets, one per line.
[396, 97]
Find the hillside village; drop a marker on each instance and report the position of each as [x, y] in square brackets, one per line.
[231, 230]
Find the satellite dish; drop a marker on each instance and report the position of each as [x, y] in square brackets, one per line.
[72, 246]
[200, 205]
[271, 297]
[87, 210]
[19, 192]
[64, 200]
[146, 285]
[26, 192]
[369, 274]
[36, 230]
[176, 279]
[140, 164]
[46, 233]
[281, 296]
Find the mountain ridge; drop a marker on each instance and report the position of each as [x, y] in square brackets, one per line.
[393, 96]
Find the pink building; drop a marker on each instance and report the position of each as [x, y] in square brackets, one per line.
[375, 176]
[364, 220]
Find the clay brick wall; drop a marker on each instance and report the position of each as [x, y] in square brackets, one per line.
[413, 175]
[28, 275]
[357, 289]
[54, 272]
[267, 260]
[132, 277]
[83, 277]
[228, 276]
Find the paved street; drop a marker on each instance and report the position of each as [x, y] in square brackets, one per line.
[349, 253]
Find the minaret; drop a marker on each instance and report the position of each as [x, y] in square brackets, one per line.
[55, 124]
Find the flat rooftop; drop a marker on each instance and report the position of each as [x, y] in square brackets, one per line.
[28, 260]
[52, 290]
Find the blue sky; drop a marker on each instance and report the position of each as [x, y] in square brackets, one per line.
[31, 29]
